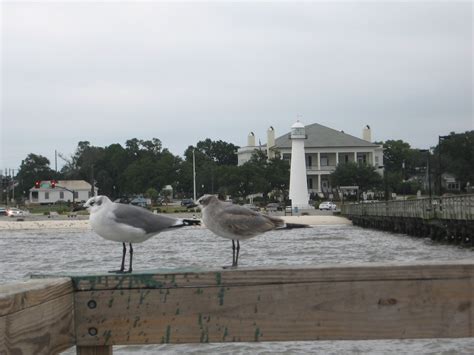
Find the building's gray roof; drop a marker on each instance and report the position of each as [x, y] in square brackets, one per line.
[320, 136]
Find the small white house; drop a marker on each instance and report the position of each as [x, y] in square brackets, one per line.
[45, 192]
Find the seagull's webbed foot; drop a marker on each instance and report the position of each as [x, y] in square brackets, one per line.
[116, 271]
[230, 267]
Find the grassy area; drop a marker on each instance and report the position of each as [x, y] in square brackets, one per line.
[173, 209]
[64, 209]
[45, 209]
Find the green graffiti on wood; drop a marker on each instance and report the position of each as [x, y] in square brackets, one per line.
[220, 295]
[257, 334]
[168, 334]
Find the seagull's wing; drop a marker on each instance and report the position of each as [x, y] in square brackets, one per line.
[139, 217]
[245, 222]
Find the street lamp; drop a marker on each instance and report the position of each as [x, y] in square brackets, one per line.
[428, 169]
[440, 139]
[194, 175]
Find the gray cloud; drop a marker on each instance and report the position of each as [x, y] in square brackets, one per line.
[107, 72]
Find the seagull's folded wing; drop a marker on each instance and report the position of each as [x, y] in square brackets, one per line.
[138, 217]
[244, 222]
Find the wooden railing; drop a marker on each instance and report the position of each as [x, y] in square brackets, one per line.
[327, 302]
[460, 207]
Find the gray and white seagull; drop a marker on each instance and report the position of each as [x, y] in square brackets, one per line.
[237, 222]
[128, 223]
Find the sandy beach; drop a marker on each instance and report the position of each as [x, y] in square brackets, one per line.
[13, 224]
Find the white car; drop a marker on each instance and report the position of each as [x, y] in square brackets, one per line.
[15, 212]
[330, 206]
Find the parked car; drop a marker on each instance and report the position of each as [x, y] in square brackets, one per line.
[15, 212]
[273, 206]
[327, 205]
[3, 211]
[188, 202]
[139, 201]
[123, 199]
[251, 207]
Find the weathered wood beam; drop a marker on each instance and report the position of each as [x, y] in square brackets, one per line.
[37, 317]
[370, 301]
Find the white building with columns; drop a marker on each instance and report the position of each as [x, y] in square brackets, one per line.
[324, 149]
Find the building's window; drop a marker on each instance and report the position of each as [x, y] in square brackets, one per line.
[376, 160]
[362, 159]
[46, 195]
[346, 158]
[76, 194]
[324, 160]
[453, 186]
[310, 161]
[310, 183]
[89, 194]
[286, 156]
[61, 195]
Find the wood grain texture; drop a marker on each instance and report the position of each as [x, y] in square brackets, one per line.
[364, 308]
[280, 275]
[94, 350]
[17, 296]
[45, 328]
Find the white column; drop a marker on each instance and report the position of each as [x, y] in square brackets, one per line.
[318, 165]
[337, 158]
[355, 157]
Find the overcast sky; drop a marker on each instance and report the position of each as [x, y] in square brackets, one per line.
[106, 72]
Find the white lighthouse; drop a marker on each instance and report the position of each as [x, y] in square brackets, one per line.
[298, 184]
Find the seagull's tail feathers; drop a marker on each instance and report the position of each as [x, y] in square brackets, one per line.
[191, 222]
[184, 222]
[294, 225]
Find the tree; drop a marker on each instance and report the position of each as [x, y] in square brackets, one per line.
[152, 194]
[33, 168]
[457, 157]
[219, 152]
[354, 174]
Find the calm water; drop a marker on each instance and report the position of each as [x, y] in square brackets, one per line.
[23, 253]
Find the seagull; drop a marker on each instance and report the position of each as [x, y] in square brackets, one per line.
[237, 222]
[128, 223]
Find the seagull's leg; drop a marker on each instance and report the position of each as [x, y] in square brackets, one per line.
[233, 252]
[233, 256]
[237, 256]
[131, 258]
[122, 267]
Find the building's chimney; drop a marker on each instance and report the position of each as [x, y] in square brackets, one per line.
[367, 134]
[270, 142]
[251, 140]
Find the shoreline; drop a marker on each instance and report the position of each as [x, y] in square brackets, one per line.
[83, 224]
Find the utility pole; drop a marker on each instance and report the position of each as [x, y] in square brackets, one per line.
[194, 176]
[440, 140]
[92, 181]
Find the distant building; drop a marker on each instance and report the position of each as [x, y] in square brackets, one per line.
[324, 148]
[45, 193]
[450, 183]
